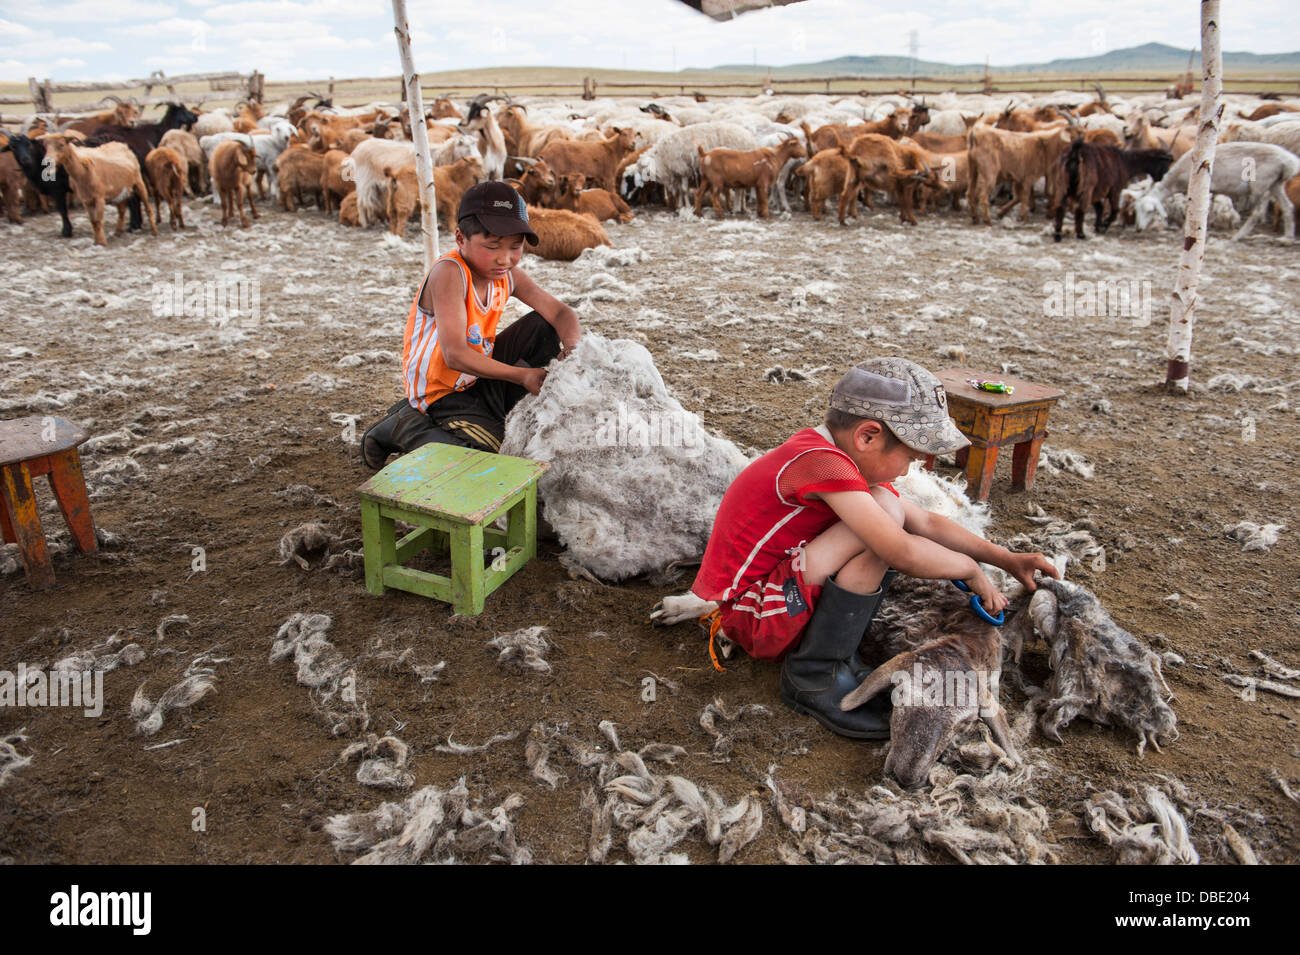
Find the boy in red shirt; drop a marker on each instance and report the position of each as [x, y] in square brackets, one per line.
[809, 535]
[460, 379]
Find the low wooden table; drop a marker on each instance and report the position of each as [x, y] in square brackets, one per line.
[452, 495]
[30, 447]
[992, 420]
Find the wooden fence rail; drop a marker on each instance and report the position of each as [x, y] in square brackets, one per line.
[222, 84]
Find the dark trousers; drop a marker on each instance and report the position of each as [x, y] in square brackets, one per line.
[476, 417]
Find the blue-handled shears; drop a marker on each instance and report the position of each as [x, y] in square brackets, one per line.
[979, 607]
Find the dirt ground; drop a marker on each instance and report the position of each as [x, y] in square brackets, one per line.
[717, 304]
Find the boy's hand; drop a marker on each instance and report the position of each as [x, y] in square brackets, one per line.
[1022, 567]
[993, 600]
[532, 379]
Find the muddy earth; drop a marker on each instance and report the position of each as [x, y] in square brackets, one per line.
[217, 433]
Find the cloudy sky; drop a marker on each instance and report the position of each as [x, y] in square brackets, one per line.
[313, 39]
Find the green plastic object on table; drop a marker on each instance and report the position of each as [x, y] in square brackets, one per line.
[452, 496]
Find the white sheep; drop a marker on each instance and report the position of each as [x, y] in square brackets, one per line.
[674, 161]
[1248, 173]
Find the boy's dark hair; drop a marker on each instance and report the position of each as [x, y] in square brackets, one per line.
[470, 227]
[837, 420]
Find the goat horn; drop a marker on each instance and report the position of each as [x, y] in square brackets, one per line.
[523, 159]
[879, 679]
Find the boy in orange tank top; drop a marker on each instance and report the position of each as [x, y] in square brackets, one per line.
[461, 379]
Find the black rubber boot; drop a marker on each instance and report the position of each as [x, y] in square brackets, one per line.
[825, 667]
[377, 441]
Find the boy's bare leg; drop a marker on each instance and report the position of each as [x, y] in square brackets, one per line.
[839, 551]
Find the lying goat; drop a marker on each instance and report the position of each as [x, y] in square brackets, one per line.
[937, 685]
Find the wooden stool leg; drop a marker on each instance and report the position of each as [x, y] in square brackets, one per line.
[20, 504]
[378, 542]
[521, 525]
[1024, 464]
[467, 568]
[7, 527]
[69, 486]
[961, 456]
[979, 470]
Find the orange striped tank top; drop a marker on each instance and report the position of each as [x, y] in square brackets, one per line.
[424, 372]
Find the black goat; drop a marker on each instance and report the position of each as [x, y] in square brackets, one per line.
[49, 179]
[1089, 175]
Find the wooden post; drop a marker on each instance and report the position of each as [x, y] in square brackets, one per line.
[47, 94]
[38, 104]
[1183, 304]
[419, 133]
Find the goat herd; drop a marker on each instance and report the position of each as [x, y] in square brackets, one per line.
[581, 163]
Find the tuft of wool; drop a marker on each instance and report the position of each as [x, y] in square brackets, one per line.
[1145, 829]
[1252, 536]
[304, 541]
[302, 636]
[635, 480]
[525, 647]
[432, 825]
[149, 715]
[968, 818]
[1056, 460]
[382, 762]
[10, 759]
[461, 749]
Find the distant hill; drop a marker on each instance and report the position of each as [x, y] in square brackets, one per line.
[1147, 58]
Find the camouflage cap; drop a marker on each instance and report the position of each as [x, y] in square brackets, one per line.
[906, 397]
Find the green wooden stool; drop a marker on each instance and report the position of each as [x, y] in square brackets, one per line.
[452, 495]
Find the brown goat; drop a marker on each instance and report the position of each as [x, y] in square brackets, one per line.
[348, 210]
[449, 184]
[185, 143]
[332, 183]
[824, 176]
[897, 124]
[881, 163]
[597, 161]
[600, 203]
[724, 169]
[232, 167]
[1019, 158]
[563, 234]
[537, 184]
[524, 138]
[298, 171]
[104, 174]
[12, 187]
[167, 174]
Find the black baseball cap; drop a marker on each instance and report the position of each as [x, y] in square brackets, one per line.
[500, 209]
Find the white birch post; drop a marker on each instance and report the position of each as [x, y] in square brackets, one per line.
[1183, 308]
[423, 163]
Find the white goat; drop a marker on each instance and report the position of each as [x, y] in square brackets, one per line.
[1248, 173]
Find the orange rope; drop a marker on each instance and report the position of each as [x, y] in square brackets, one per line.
[714, 622]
